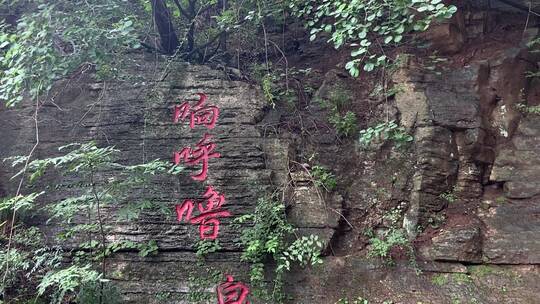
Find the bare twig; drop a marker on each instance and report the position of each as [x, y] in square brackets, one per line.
[528, 17]
[102, 232]
[519, 7]
[265, 48]
[286, 64]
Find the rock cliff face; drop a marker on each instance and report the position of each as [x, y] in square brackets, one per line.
[471, 190]
[469, 187]
[135, 116]
[472, 143]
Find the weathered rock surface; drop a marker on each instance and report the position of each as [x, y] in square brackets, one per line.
[461, 243]
[136, 117]
[517, 163]
[370, 279]
[468, 134]
[312, 208]
[472, 188]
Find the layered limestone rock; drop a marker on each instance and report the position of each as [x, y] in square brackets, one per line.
[443, 111]
[511, 216]
[135, 117]
[374, 280]
[312, 208]
[474, 145]
[475, 176]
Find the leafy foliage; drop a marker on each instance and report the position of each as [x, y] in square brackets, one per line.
[205, 247]
[381, 246]
[344, 124]
[92, 181]
[392, 237]
[534, 45]
[461, 278]
[274, 84]
[200, 282]
[305, 251]
[27, 257]
[67, 280]
[96, 293]
[525, 109]
[323, 178]
[366, 26]
[269, 239]
[385, 131]
[18, 261]
[23, 264]
[439, 280]
[20, 202]
[449, 196]
[358, 300]
[49, 42]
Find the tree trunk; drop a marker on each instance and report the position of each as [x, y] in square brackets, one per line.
[162, 19]
[191, 31]
[223, 36]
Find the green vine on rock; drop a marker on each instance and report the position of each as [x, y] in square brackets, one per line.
[385, 131]
[394, 237]
[272, 241]
[205, 247]
[343, 120]
[322, 177]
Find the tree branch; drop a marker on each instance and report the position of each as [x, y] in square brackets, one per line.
[162, 18]
[150, 48]
[204, 45]
[182, 10]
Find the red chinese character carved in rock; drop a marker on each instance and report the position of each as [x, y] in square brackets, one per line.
[209, 213]
[200, 114]
[201, 154]
[231, 292]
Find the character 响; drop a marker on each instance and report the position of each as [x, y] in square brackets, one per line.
[200, 114]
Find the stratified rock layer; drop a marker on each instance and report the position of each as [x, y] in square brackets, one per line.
[136, 117]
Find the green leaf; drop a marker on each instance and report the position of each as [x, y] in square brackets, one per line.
[328, 28]
[418, 26]
[358, 52]
[349, 65]
[362, 34]
[368, 67]
[354, 71]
